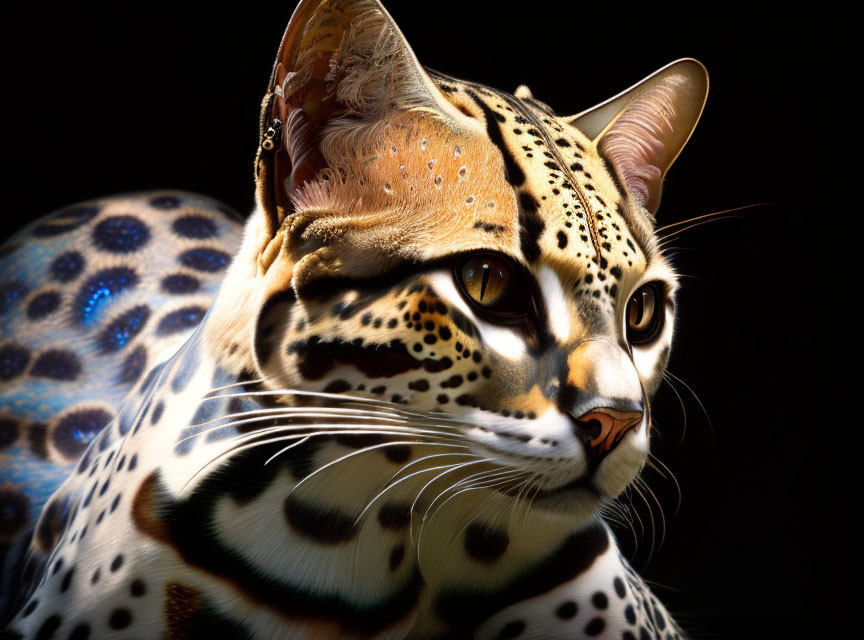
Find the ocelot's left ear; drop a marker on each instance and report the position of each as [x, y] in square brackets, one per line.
[642, 130]
[342, 64]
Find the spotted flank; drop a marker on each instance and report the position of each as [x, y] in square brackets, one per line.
[395, 405]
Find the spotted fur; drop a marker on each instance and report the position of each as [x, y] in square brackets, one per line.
[338, 442]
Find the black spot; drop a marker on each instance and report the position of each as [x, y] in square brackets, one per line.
[600, 600]
[203, 259]
[8, 431]
[180, 320]
[49, 627]
[13, 361]
[117, 562]
[156, 414]
[531, 225]
[394, 516]
[56, 364]
[67, 266]
[120, 619]
[562, 239]
[595, 627]
[512, 630]
[620, 589]
[325, 526]
[98, 288]
[194, 226]
[398, 453]
[133, 462]
[133, 366]
[630, 614]
[30, 608]
[67, 580]
[121, 234]
[81, 632]
[43, 305]
[485, 543]
[180, 283]
[138, 588]
[76, 430]
[396, 556]
[122, 329]
[165, 202]
[14, 508]
[567, 610]
[11, 292]
[338, 386]
[65, 221]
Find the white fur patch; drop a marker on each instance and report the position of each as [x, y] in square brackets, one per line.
[556, 303]
[504, 340]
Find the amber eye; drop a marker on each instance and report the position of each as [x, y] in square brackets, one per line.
[493, 285]
[485, 279]
[645, 314]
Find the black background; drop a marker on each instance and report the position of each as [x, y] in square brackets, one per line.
[117, 97]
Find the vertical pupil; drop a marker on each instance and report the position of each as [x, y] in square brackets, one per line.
[485, 282]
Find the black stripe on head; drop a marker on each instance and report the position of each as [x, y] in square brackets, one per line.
[515, 175]
[531, 225]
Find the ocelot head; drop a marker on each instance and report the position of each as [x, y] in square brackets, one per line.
[475, 271]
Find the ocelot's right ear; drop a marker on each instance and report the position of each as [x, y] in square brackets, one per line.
[342, 64]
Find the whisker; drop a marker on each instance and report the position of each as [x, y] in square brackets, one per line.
[702, 406]
[659, 230]
[681, 403]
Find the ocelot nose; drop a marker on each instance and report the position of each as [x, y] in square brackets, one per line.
[603, 428]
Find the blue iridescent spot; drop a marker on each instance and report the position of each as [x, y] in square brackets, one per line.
[43, 305]
[56, 364]
[13, 360]
[121, 234]
[180, 283]
[123, 328]
[11, 291]
[67, 266]
[201, 259]
[194, 226]
[99, 288]
[76, 430]
[180, 320]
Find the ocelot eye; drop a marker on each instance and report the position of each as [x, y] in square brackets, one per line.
[646, 314]
[492, 284]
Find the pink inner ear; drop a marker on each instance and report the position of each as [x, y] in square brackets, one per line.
[635, 143]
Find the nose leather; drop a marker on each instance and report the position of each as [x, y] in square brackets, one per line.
[603, 428]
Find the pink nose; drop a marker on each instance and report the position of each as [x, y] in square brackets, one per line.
[604, 428]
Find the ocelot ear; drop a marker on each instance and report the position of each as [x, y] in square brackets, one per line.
[342, 63]
[642, 130]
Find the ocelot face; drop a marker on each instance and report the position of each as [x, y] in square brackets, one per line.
[461, 254]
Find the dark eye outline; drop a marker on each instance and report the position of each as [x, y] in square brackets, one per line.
[514, 304]
[641, 337]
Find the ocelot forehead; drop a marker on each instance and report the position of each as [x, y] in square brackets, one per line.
[570, 204]
[518, 180]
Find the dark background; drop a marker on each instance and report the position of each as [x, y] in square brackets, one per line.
[117, 97]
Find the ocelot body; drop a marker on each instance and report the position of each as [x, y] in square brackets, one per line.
[393, 406]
